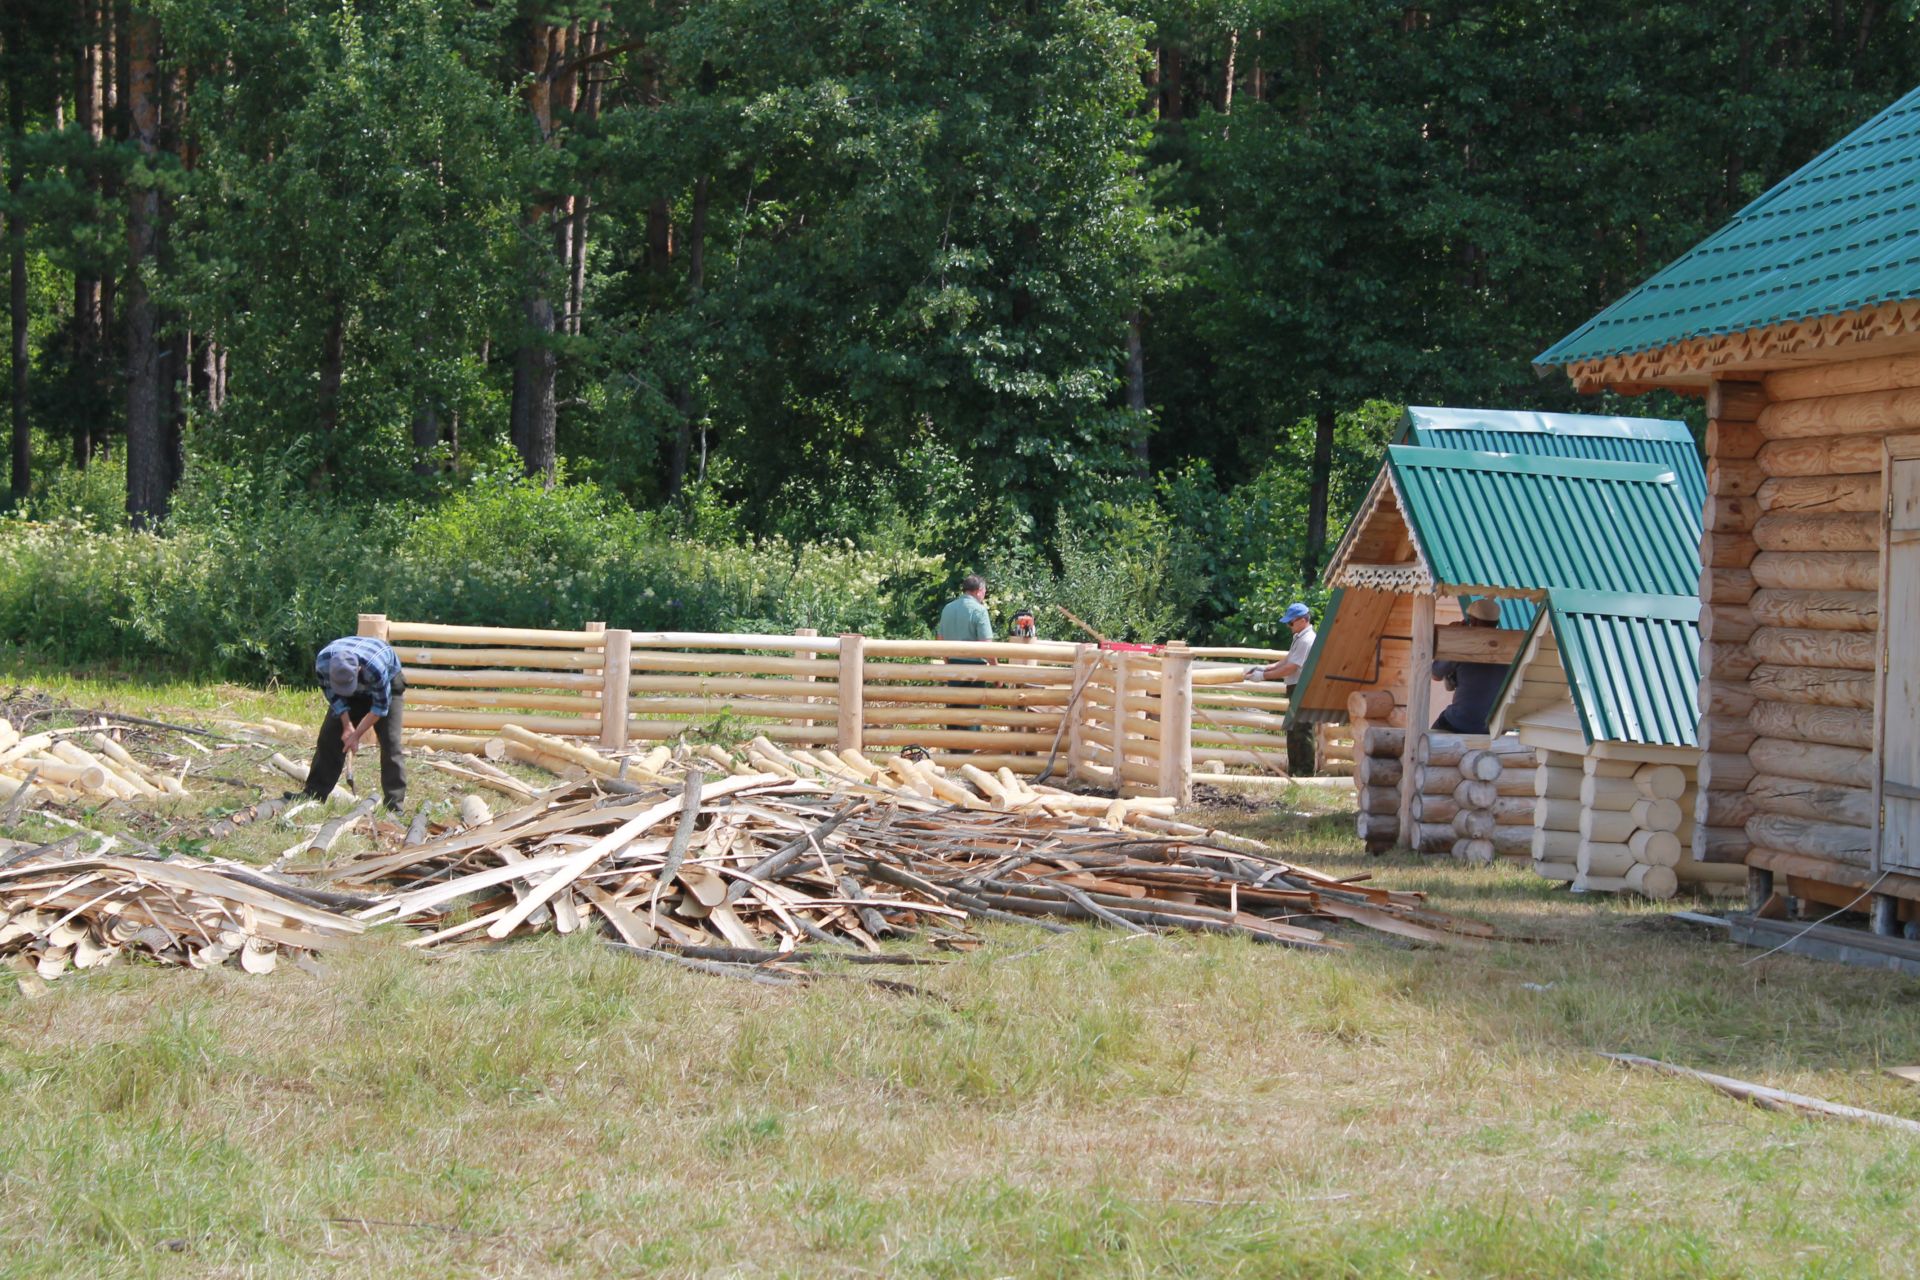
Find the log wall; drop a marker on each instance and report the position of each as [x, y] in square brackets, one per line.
[1731, 576]
[1808, 785]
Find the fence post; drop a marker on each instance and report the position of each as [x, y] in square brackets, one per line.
[373, 624]
[1176, 723]
[852, 700]
[806, 631]
[1119, 721]
[1076, 712]
[616, 686]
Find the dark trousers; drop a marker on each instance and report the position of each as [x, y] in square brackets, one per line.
[330, 756]
[1300, 762]
[965, 709]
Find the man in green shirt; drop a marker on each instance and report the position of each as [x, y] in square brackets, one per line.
[965, 619]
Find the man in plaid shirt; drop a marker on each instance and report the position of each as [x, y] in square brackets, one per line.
[362, 680]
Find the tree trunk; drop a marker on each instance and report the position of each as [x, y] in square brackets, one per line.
[146, 461]
[1171, 106]
[1226, 81]
[682, 454]
[536, 369]
[88, 321]
[426, 438]
[535, 366]
[17, 271]
[333, 365]
[179, 383]
[1320, 480]
[697, 238]
[588, 106]
[1137, 390]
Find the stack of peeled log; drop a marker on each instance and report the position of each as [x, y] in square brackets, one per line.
[1376, 781]
[1619, 826]
[52, 766]
[1473, 796]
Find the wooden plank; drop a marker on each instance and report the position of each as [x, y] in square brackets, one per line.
[1767, 1097]
[1897, 679]
[1458, 642]
[1824, 942]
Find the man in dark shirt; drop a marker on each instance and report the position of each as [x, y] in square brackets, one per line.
[361, 678]
[1475, 684]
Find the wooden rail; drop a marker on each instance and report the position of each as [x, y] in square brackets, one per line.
[1140, 722]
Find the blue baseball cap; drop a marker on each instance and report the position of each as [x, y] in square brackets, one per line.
[1295, 612]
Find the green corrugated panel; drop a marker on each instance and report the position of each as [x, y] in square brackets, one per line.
[1320, 634]
[1632, 662]
[1840, 234]
[1528, 523]
[1661, 441]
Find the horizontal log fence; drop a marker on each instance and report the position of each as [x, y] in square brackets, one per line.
[1138, 721]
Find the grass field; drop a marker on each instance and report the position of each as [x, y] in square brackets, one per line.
[1077, 1105]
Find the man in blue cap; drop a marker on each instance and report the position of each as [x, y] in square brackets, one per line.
[362, 680]
[1299, 618]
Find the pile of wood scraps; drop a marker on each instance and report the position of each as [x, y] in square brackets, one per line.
[59, 913]
[52, 767]
[790, 849]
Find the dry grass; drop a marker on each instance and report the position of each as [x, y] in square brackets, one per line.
[1082, 1105]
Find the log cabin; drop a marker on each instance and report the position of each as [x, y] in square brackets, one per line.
[1799, 322]
[1440, 526]
[1606, 693]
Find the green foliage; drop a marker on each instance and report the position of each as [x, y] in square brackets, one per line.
[246, 583]
[93, 496]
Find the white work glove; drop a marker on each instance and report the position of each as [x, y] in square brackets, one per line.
[1256, 673]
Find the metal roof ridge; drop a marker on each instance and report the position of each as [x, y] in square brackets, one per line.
[1625, 604]
[1444, 418]
[1426, 456]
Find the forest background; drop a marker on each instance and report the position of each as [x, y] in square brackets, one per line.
[756, 314]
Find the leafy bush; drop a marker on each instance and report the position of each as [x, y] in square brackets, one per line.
[248, 579]
[93, 496]
[249, 585]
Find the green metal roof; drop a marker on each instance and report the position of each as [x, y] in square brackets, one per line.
[1662, 441]
[1527, 523]
[1320, 633]
[1632, 664]
[1840, 234]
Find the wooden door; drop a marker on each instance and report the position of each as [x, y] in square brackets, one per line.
[1898, 704]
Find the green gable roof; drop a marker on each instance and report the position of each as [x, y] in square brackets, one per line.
[1840, 234]
[1631, 661]
[1661, 441]
[1526, 523]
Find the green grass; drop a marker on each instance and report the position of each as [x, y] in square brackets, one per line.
[1081, 1105]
